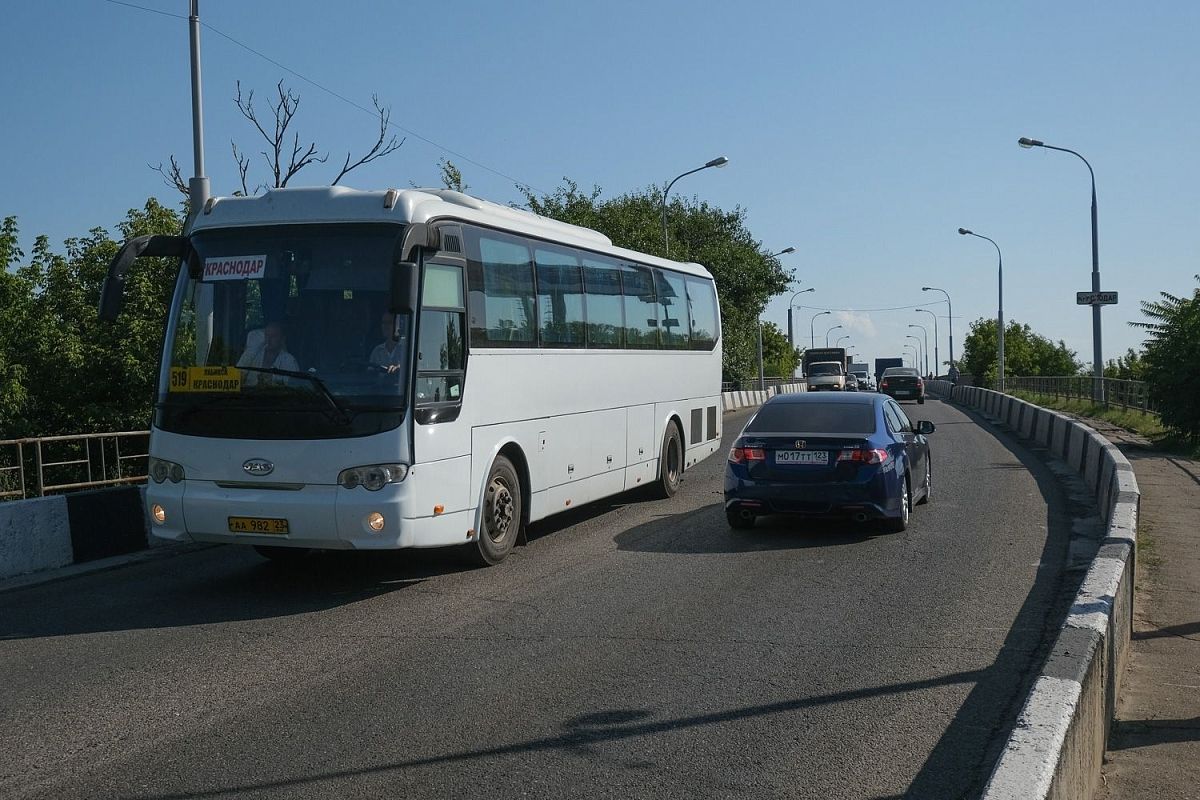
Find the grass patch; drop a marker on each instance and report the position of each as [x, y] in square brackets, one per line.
[1139, 422]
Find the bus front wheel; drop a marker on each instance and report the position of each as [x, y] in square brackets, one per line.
[501, 516]
[670, 462]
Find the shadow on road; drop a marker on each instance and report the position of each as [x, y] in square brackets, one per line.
[704, 531]
[220, 584]
[580, 732]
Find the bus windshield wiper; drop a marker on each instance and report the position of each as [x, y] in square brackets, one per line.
[340, 413]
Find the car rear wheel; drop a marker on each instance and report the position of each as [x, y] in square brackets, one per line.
[738, 522]
[921, 401]
[900, 524]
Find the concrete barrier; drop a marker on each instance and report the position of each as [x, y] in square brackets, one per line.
[49, 532]
[732, 401]
[1057, 747]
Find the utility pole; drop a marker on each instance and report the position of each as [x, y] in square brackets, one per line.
[198, 189]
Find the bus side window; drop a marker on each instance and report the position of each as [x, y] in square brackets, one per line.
[702, 300]
[641, 308]
[672, 300]
[605, 310]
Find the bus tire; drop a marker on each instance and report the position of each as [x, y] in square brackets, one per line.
[501, 515]
[670, 463]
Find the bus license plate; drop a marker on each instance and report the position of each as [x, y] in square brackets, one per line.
[802, 457]
[258, 525]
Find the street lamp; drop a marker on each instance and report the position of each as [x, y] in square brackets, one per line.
[1097, 356]
[838, 343]
[831, 330]
[812, 339]
[791, 335]
[950, 315]
[917, 339]
[937, 364]
[999, 310]
[913, 352]
[720, 161]
[925, 332]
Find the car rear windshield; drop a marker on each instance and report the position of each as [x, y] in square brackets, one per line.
[900, 371]
[814, 418]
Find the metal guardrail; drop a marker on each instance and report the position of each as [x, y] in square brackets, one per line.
[48, 464]
[1106, 391]
[753, 384]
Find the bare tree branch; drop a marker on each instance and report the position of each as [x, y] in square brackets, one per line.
[243, 165]
[173, 176]
[379, 149]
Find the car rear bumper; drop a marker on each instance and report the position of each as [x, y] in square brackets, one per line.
[871, 499]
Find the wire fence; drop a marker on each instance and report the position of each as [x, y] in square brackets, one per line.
[1105, 391]
[52, 464]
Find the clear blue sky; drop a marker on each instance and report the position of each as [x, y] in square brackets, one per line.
[862, 134]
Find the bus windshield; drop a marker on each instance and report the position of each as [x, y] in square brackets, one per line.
[287, 334]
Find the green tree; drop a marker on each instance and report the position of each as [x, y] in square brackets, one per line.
[1172, 360]
[78, 374]
[1129, 367]
[779, 357]
[745, 275]
[15, 296]
[1026, 352]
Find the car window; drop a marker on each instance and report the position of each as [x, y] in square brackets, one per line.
[899, 371]
[893, 422]
[825, 369]
[902, 418]
[814, 418]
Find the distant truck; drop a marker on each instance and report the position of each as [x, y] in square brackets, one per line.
[883, 363]
[825, 368]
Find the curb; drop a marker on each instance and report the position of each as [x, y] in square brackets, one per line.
[1057, 747]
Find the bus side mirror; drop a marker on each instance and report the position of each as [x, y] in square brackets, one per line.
[403, 291]
[112, 295]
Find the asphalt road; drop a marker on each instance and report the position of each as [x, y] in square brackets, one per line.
[634, 649]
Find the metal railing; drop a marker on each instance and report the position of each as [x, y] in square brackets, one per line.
[1110, 391]
[48, 464]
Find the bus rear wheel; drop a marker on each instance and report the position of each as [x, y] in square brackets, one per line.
[670, 462]
[501, 514]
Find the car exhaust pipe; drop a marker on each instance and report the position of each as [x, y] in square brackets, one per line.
[746, 514]
[860, 517]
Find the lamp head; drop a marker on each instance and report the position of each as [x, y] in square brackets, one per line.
[926, 288]
[963, 231]
[785, 251]
[1027, 143]
[719, 161]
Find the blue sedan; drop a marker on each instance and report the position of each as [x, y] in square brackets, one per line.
[856, 456]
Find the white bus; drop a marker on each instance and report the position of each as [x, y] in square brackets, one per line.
[365, 370]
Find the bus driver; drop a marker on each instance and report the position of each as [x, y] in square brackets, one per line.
[388, 355]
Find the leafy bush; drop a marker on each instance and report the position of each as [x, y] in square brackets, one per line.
[1173, 360]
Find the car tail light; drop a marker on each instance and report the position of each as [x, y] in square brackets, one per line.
[883, 384]
[743, 455]
[874, 456]
[920, 383]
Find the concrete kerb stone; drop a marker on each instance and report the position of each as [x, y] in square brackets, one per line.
[35, 534]
[1057, 745]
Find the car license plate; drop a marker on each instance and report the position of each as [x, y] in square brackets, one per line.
[801, 456]
[903, 392]
[258, 525]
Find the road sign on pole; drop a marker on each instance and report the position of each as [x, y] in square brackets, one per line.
[1095, 298]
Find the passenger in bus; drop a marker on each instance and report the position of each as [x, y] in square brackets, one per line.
[269, 352]
[389, 354]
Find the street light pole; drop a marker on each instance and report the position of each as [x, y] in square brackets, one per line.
[1097, 355]
[925, 333]
[791, 336]
[720, 161]
[920, 356]
[999, 311]
[950, 316]
[198, 189]
[831, 330]
[937, 362]
[761, 377]
[812, 338]
[914, 353]
[839, 339]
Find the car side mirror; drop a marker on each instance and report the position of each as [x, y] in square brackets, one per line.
[925, 427]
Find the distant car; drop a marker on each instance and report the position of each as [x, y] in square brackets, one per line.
[845, 455]
[863, 380]
[903, 383]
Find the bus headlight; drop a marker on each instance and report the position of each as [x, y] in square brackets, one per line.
[160, 470]
[373, 476]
